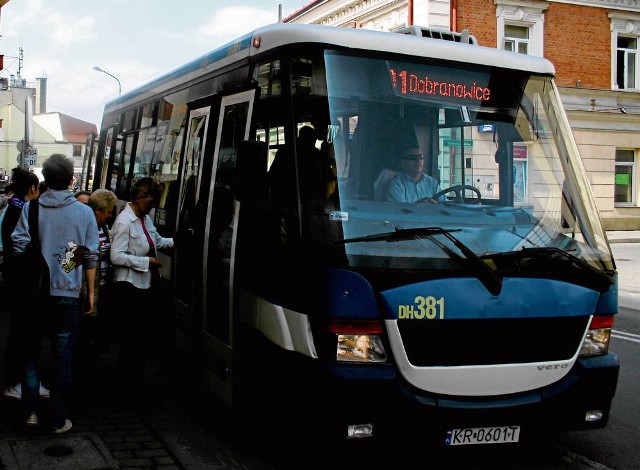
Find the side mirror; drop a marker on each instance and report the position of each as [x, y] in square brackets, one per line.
[251, 172]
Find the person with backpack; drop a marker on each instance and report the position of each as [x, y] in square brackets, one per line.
[63, 230]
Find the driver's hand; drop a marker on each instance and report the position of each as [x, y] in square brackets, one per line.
[428, 200]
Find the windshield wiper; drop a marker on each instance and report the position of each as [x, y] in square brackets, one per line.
[400, 234]
[536, 246]
[484, 273]
[601, 279]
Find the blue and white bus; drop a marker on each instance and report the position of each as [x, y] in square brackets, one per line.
[482, 319]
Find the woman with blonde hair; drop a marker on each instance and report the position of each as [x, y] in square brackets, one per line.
[102, 202]
[94, 331]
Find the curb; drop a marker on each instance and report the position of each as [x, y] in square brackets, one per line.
[629, 300]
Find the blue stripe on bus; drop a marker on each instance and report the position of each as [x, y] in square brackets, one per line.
[349, 295]
[467, 298]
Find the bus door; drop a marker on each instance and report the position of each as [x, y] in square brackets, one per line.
[108, 149]
[193, 193]
[233, 127]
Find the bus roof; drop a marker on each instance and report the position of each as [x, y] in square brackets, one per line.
[277, 35]
[353, 38]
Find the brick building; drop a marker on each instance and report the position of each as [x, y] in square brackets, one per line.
[593, 45]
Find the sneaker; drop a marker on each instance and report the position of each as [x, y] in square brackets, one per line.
[44, 393]
[32, 420]
[65, 427]
[13, 392]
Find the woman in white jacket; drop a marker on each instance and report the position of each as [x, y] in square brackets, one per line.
[134, 244]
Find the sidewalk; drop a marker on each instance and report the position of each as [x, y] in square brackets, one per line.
[628, 268]
[624, 236]
[111, 432]
[106, 433]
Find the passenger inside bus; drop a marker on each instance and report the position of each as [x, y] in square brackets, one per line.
[334, 155]
[411, 183]
[281, 173]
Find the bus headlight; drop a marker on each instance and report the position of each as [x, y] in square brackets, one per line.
[359, 341]
[360, 348]
[597, 340]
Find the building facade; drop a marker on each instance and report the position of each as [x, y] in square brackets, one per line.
[50, 132]
[593, 45]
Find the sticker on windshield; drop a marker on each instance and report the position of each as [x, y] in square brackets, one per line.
[339, 215]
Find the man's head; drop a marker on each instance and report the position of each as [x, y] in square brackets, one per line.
[307, 136]
[24, 183]
[412, 161]
[58, 171]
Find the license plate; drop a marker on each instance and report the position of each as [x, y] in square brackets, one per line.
[491, 435]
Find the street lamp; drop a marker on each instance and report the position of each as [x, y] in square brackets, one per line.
[98, 69]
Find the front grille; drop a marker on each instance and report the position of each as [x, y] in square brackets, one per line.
[491, 341]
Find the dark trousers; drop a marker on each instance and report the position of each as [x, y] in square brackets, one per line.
[24, 321]
[59, 316]
[144, 329]
[14, 352]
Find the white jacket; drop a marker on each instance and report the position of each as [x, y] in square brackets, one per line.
[130, 248]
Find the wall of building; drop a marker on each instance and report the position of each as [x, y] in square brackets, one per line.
[577, 40]
[13, 125]
[381, 15]
[479, 17]
[575, 36]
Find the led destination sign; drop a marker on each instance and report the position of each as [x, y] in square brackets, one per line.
[424, 85]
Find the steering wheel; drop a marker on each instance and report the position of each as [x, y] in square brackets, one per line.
[458, 189]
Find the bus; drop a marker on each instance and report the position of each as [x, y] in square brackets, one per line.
[310, 296]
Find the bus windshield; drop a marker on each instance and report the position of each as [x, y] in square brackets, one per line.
[495, 140]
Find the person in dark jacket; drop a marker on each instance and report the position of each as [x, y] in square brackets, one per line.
[25, 188]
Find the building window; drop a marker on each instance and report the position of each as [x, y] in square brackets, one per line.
[520, 26]
[77, 150]
[625, 31]
[627, 57]
[516, 39]
[625, 182]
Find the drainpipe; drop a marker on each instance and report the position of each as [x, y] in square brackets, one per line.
[453, 15]
[410, 13]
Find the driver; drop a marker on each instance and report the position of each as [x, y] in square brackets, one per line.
[412, 184]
